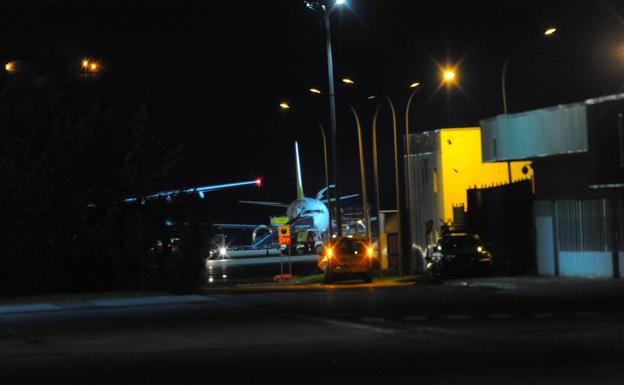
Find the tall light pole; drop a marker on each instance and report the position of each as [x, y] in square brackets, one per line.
[362, 173]
[548, 32]
[329, 202]
[414, 87]
[396, 172]
[325, 8]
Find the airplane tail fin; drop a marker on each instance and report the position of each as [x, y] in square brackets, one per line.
[300, 194]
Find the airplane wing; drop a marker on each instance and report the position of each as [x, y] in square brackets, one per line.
[343, 197]
[260, 203]
[200, 190]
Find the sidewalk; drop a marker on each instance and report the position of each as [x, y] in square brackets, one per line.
[546, 286]
[61, 302]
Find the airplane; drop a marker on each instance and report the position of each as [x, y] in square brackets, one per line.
[304, 206]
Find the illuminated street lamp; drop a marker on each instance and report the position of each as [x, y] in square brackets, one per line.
[325, 8]
[347, 81]
[448, 76]
[284, 106]
[10, 67]
[315, 91]
[550, 31]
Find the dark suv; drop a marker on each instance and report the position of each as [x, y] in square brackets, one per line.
[457, 254]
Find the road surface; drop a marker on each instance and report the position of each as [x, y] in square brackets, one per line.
[344, 334]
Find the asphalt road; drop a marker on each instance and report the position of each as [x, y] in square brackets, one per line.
[559, 333]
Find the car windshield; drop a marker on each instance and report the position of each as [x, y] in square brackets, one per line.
[460, 244]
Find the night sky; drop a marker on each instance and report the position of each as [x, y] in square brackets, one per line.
[213, 72]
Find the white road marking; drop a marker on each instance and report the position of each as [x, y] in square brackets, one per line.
[28, 308]
[349, 325]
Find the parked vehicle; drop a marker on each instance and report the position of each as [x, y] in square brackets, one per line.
[458, 254]
[347, 258]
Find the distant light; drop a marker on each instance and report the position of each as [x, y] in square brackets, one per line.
[224, 276]
[222, 251]
[449, 75]
[258, 182]
[10, 66]
[93, 67]
[284, 106]
[414, 85]
[315, 90]
[341, 2]
[550, 31]
[347, 81]
[371, 97]
[210, 279]
[85, 63]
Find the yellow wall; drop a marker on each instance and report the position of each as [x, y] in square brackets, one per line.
[462, 168]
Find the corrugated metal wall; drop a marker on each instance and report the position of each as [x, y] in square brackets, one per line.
[583, 225]
[534, 134]
[575, 237]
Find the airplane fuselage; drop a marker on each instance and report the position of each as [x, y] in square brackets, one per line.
[310, 207]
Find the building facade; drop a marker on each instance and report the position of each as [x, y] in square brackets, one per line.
[577, 153]
[441, 166]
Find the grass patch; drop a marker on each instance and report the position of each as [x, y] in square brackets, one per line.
[310, 279]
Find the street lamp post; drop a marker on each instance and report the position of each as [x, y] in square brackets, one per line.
[326, 11]
[548, 32]
[415, 87]
[396, 172]
[362, 174]
[329, 203]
